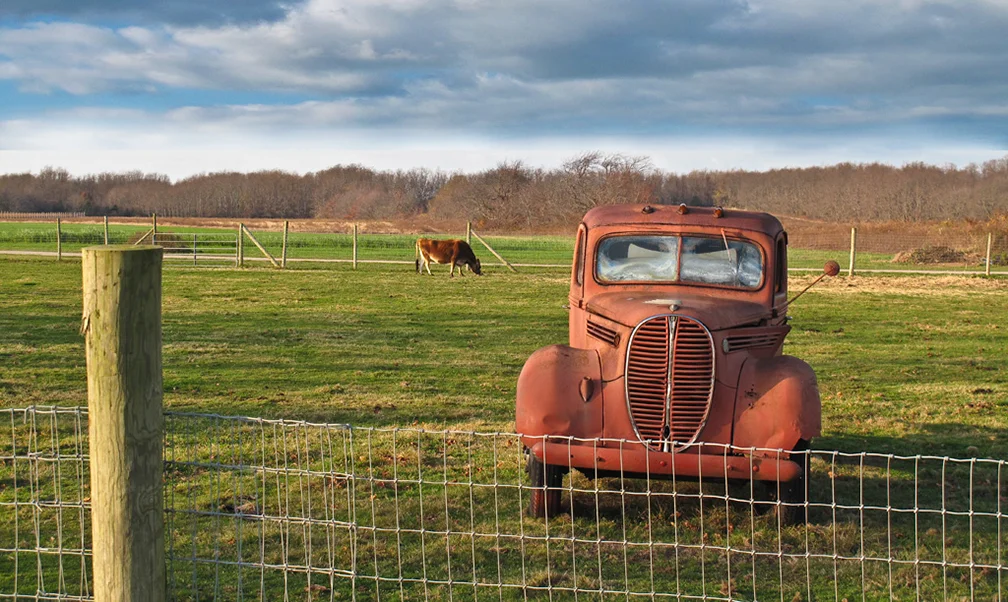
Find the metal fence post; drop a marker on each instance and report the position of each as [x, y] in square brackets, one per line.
[853, 251]
[59, 240]
[355, 246]
[990, 241]
[121, 325]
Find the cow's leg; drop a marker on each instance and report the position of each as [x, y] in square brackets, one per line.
[427, 265]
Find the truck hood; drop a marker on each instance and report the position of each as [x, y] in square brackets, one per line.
[717, 313]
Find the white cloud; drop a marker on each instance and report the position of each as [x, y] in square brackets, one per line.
[185, 143]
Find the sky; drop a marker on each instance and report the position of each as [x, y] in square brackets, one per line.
[192, 86]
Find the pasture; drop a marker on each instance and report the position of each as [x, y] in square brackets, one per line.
[906, 365]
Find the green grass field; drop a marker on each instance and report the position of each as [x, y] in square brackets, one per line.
[905, 366]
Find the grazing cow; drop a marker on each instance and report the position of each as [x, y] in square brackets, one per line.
[454, 252]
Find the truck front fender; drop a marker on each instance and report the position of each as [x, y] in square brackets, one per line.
[550, 389]
[777, 403]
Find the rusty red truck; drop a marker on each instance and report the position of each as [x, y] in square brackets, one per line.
[674, 364]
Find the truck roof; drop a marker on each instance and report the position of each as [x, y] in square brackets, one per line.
[672, 215]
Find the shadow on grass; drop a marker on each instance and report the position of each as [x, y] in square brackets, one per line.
[952, 439]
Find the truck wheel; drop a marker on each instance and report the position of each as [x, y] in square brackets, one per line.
[547, 479]
[794, 494]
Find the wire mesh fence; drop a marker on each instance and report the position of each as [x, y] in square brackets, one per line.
[889, 247]
[272, 509]
[45, 529]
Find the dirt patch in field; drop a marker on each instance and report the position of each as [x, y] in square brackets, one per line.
[326, 226]
[418, 225]
[909, 285]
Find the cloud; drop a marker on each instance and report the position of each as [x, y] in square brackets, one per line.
[568, 66]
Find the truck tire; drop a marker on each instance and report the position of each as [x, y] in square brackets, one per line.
[794, 494]
[546, 480]
[786, 500]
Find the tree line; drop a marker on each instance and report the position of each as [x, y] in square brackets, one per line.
[519, 197]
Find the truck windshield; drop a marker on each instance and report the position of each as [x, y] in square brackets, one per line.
[703, 260]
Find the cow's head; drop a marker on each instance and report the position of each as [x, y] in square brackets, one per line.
[474, 267]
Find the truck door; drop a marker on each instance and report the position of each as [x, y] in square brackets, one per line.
[576, 298]
[780, 274]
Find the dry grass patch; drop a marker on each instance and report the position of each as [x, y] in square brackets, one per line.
[932, 255]
[943, 286]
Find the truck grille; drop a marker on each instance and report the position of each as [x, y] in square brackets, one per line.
[669, 379]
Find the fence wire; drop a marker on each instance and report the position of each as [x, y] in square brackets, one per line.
[269, 509]
[45, 528]
[905, 247]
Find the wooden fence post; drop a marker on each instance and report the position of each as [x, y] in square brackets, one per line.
[140, 240]
[495, 253]
[990, 241]
[106, 229]
[194, 248]
[469, 233]
[853, 251]
[121, 325]
[153, 236]
[59, 240]
[258, 244]
[283, 252]
[355, 246]
[240, 247]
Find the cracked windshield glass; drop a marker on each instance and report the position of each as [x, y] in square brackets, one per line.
[704, 260]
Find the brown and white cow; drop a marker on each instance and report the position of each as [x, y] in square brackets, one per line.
[454, 252]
